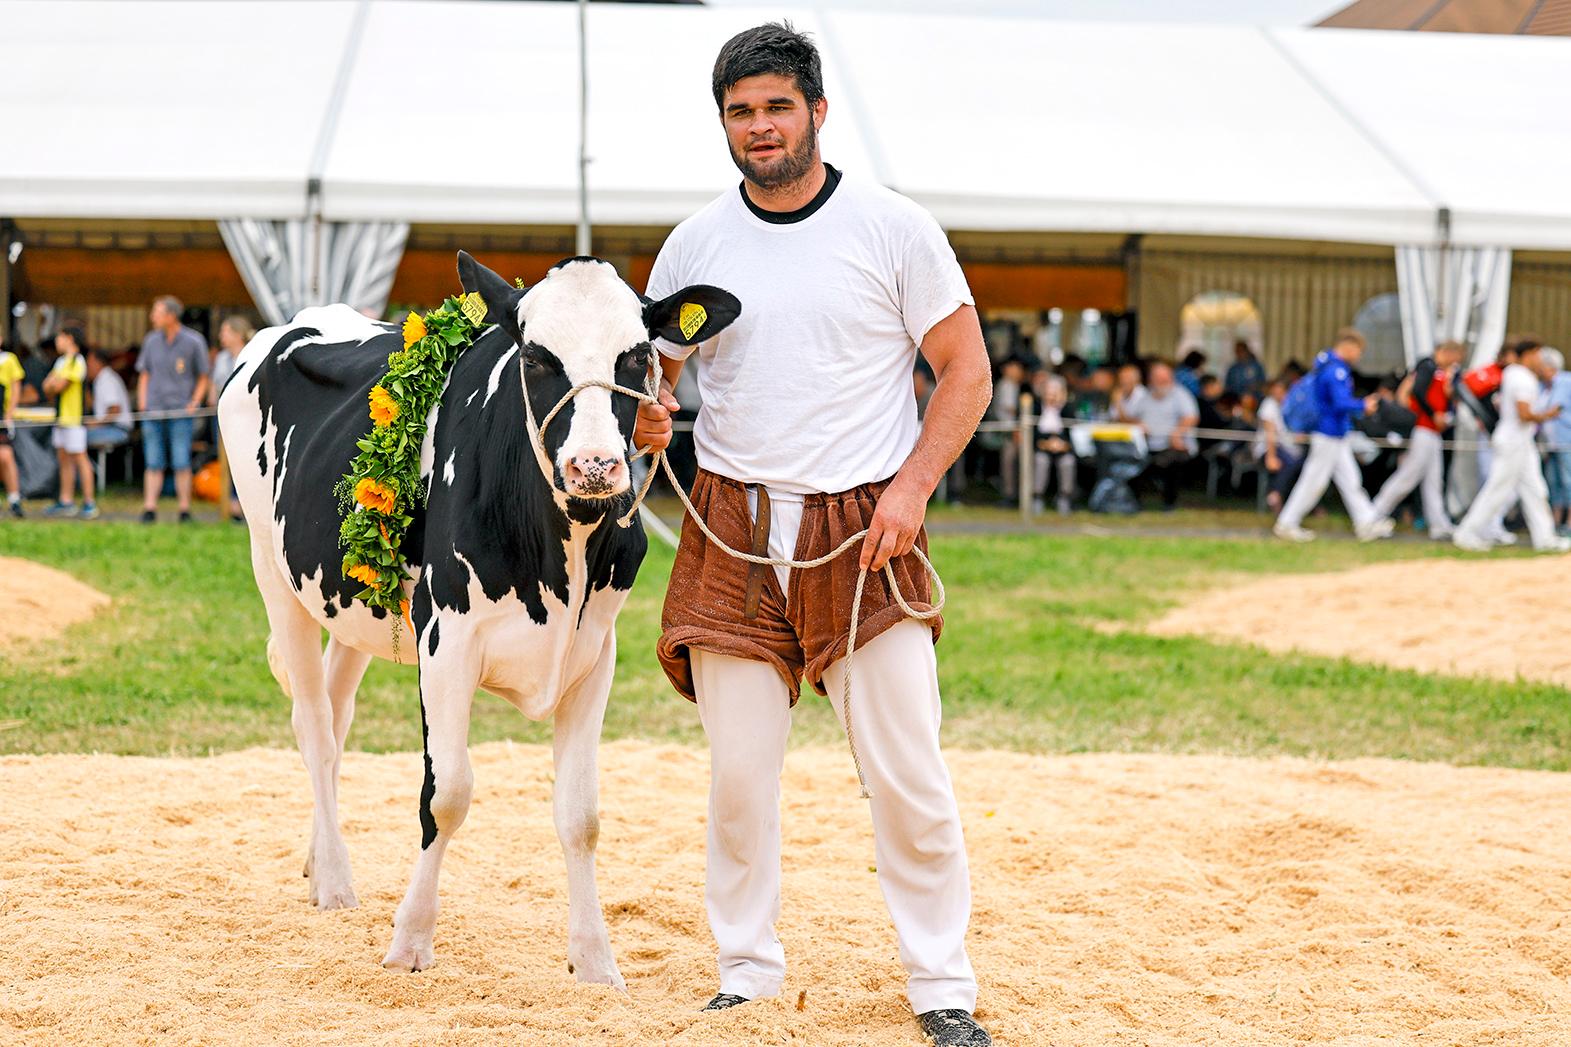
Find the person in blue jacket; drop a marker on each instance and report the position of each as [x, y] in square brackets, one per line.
[1330, 455]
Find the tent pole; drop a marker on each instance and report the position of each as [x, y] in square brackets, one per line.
[583, 128]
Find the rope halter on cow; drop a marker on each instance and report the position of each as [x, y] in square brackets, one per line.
[664, 461]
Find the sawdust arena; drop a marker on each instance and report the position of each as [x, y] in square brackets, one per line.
[1119, 899]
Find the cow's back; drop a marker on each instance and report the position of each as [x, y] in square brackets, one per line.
[290, 417]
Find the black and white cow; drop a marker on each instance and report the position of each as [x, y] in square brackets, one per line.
[519, 566]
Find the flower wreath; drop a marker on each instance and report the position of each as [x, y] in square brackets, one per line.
[382, 487]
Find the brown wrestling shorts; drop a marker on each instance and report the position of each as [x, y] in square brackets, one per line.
[801, 632]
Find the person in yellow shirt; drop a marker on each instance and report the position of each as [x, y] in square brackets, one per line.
[10, 389]
[65, 383]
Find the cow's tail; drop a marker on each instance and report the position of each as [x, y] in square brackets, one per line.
[275, 662]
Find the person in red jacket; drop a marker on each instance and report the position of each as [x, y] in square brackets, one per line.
[1422, 465]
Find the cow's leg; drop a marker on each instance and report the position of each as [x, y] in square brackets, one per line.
[297, 644]
[576, 806]
[343, 668]
[447, 686]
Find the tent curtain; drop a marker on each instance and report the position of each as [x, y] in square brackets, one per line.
[1455, 294]
[293, 264]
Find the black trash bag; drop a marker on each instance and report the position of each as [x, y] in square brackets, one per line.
[1113, 495]
[36, 466]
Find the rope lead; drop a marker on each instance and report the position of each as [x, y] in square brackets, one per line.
[660, 458]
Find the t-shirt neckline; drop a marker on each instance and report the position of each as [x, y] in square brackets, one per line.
[785, 219]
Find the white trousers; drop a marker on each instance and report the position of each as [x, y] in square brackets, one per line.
[1420, 467]
[1330, 458]
[1515, 473]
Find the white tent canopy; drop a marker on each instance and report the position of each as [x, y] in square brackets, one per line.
[434, 111]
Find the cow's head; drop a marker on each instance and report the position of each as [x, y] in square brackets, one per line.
[584, 323]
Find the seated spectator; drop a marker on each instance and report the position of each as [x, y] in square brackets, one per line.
[1093, 401]
[1190, 370]
[1209, 400]
[1168, 415]
[1054, 455]
[65, 382]
[1245, 375]
[1274, 445]
[110, 425]
[1128, 381]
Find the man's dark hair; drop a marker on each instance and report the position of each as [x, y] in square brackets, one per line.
[774, 48]
[102, 355]
[78, 334]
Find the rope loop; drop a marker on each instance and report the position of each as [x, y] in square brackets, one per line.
[661, 459]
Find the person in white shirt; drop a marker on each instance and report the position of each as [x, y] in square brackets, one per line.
[1516, 472]
[110, 425]
[808, 433]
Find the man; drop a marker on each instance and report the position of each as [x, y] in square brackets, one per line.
[1330, 456]
[1516, 471]
[10, 389]
[171, 376]
[1429, 398]
[65, 383]
[807, 434]
[1479, 390]
[111, 403]
[1128, 382]
[1168, 414]
[1246, 376]
[1275, 447]
[1557, 434]
[1190, 371]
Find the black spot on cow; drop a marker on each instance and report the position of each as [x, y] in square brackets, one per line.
[330, 609]
[428, 787]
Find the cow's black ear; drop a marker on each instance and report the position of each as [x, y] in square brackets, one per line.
[501, 298]
[692, 315]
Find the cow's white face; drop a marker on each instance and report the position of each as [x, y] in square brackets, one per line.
[584, 323]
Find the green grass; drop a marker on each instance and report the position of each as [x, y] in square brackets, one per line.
[176, 665]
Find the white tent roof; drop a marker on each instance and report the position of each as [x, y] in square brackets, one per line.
[437, 111]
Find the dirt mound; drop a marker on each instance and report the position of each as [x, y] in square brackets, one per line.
[41, 602]
[1147, 900]
[1496, 618]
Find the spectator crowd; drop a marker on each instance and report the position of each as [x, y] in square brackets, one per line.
[1099, 437]
[98, 399]
[1105, 437]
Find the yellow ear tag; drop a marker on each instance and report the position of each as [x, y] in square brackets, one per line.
[473, 307]
[690, 319]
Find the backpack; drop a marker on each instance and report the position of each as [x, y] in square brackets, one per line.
[1300, 413]
[1476, 389]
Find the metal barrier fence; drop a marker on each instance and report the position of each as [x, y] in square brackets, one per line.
[1023, 427]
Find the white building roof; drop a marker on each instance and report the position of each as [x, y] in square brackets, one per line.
[451, 111]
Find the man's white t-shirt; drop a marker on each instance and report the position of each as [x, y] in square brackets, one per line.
[1517, 385]
[810, 389]
[109, 391]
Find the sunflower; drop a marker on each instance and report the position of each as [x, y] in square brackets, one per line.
[364, 573]
[414, 329]
[374, 495]
[384, 409]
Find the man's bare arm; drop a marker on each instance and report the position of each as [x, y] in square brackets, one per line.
[958, 356]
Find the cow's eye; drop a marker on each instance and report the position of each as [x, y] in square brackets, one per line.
[538, 360]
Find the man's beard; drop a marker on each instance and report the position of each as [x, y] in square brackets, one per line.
[791, 168]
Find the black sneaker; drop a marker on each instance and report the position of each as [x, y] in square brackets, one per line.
[149, 516]
[16, 509]
[953, 1028]
[185, 516]
[724, 1001]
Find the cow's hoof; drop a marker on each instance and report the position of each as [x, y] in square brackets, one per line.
[604, 976]
[408, 957]
[337, 898]
[595, 967]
